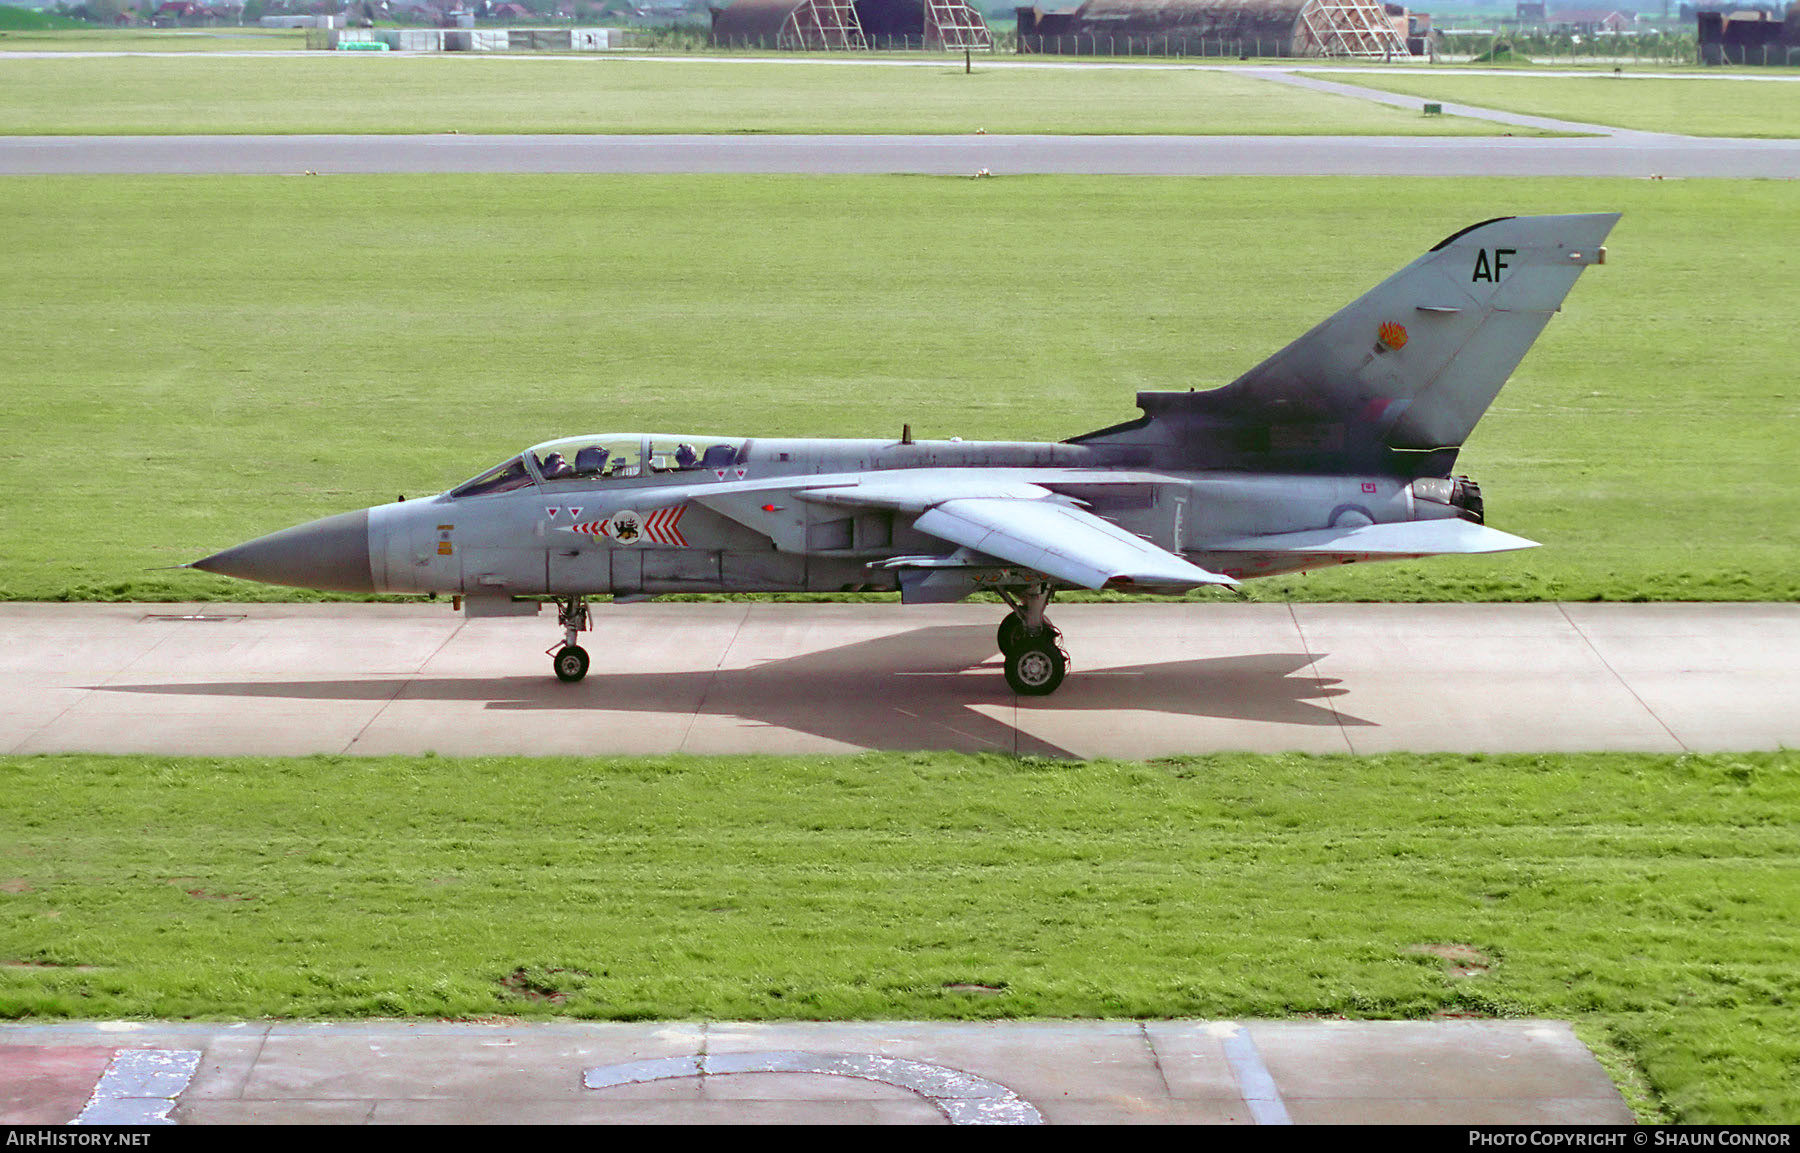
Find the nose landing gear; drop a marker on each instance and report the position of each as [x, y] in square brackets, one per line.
[570, 659]
[1031, 645]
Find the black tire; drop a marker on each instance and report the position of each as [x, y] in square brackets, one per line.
[1037, 669]
[1012, 637]
[1011, 634]
[571, 663]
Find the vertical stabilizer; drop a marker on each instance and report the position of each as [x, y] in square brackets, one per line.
[1424, 353]
[1405, 369]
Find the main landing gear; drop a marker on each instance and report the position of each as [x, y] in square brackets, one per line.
[1031, 645]
[571, 660]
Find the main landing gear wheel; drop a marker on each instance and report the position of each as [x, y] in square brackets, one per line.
[1035, 661]
[1013, 636]
[571, 663]
[1036, 669]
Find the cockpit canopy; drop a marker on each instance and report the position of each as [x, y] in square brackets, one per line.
[606, 457]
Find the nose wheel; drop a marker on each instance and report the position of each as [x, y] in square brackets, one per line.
[571, 663]
[570, 660]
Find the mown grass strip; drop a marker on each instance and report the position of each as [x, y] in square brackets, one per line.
[326, 92]
[1656, 899]
[1690, 106]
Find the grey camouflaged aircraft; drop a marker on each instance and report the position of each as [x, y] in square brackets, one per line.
[1338, 449]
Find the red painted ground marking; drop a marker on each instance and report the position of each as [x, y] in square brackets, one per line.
[48, 1085]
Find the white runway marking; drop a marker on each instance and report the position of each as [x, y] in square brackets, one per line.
[962, 1097]
[1254, 1080]
[140, 1087]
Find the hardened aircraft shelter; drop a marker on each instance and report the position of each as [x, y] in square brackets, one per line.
[1338, 28]
[824, 25]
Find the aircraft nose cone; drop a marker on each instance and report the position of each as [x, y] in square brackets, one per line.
[326, 554]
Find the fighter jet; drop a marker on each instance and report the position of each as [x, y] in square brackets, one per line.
[1337, 449]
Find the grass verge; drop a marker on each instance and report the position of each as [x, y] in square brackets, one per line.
[1700, 105]
[370, 92]
[1654, 899]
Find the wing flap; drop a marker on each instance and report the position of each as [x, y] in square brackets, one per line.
[1060, 541]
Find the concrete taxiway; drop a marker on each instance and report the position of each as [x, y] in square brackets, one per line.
[1056, 1072]
[1638, 155]
[1148, 679]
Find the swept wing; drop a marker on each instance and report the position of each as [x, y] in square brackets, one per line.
[1060, 541]
[996, 513]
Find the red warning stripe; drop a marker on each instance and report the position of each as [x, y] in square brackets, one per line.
[660, 526]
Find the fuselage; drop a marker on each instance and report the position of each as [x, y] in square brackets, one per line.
[636, 514]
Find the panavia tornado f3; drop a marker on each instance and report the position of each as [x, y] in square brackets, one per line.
[1337, 449]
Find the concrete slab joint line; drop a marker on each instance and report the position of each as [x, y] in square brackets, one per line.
[962, 1097]
[140, 1087]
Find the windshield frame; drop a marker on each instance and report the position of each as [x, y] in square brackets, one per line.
[527, 478]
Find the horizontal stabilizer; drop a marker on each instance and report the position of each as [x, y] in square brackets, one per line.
[1060, 541]
[1407, 538]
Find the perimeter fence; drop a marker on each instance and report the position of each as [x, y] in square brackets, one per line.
[1445, 46]
[1758, 55]
[1084, 44]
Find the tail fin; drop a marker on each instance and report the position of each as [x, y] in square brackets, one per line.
[1405, 369]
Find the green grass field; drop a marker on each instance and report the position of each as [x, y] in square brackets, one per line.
[57, 34]
[369, 92]
[1654, 900]
[40, 25]
[1704, 105]
[191, 362]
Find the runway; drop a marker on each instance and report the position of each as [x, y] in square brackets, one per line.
[1147, 679]
[1637, 155]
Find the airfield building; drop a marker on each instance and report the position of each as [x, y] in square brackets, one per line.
[1361, 28]
[850, 24]
[1749, 36]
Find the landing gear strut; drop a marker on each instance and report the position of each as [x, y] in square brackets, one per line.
[1032, 646]
[571, 660]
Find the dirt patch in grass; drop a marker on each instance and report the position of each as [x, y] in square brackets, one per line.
[1463, 960]
[521, 983]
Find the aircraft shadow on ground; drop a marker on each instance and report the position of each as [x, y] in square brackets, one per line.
[930, 688]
